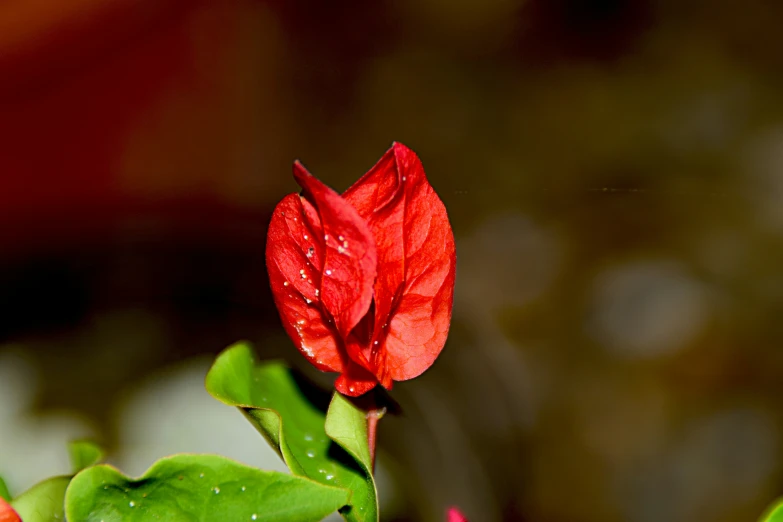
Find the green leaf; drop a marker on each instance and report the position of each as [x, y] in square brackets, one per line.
[43, 502]
[291, 415]
[774, 513]
[84, 454]
[4, 493]
[190, 488]
[346, 424]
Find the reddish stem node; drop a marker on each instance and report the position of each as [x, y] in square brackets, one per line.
[373, 416]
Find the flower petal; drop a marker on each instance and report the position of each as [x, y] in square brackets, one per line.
[294, 258]
[7, 513]
[349, 263]
[455, 515]
[355, 380]
[379, 198]
[416, 264]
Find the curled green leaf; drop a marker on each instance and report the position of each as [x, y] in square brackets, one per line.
[186, 488]
[346, 424]
[291, 414]
[43, 502]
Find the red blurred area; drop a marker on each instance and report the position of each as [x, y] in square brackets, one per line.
[93, 96]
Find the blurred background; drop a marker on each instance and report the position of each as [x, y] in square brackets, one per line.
[613, 170]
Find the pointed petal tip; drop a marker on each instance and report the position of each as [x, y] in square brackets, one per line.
[297, 166]
[301, 174]
[399, 147]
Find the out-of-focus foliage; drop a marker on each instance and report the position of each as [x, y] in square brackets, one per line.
[613, 171]
[43, 502]
[773, 514]
[84, 454]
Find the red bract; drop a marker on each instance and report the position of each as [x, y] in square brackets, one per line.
[364, 281]
[7, 513]
[455, 515]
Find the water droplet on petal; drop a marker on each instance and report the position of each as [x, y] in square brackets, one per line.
[317, 292]
[328, 272]
[285, 283]
[308, 301]
[306, 238]
[351, 389]
[404, 178]
[341, 238]
[302, 274]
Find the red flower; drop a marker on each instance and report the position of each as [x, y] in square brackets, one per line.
[455, 515]
[7, 513]
[364, 281]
